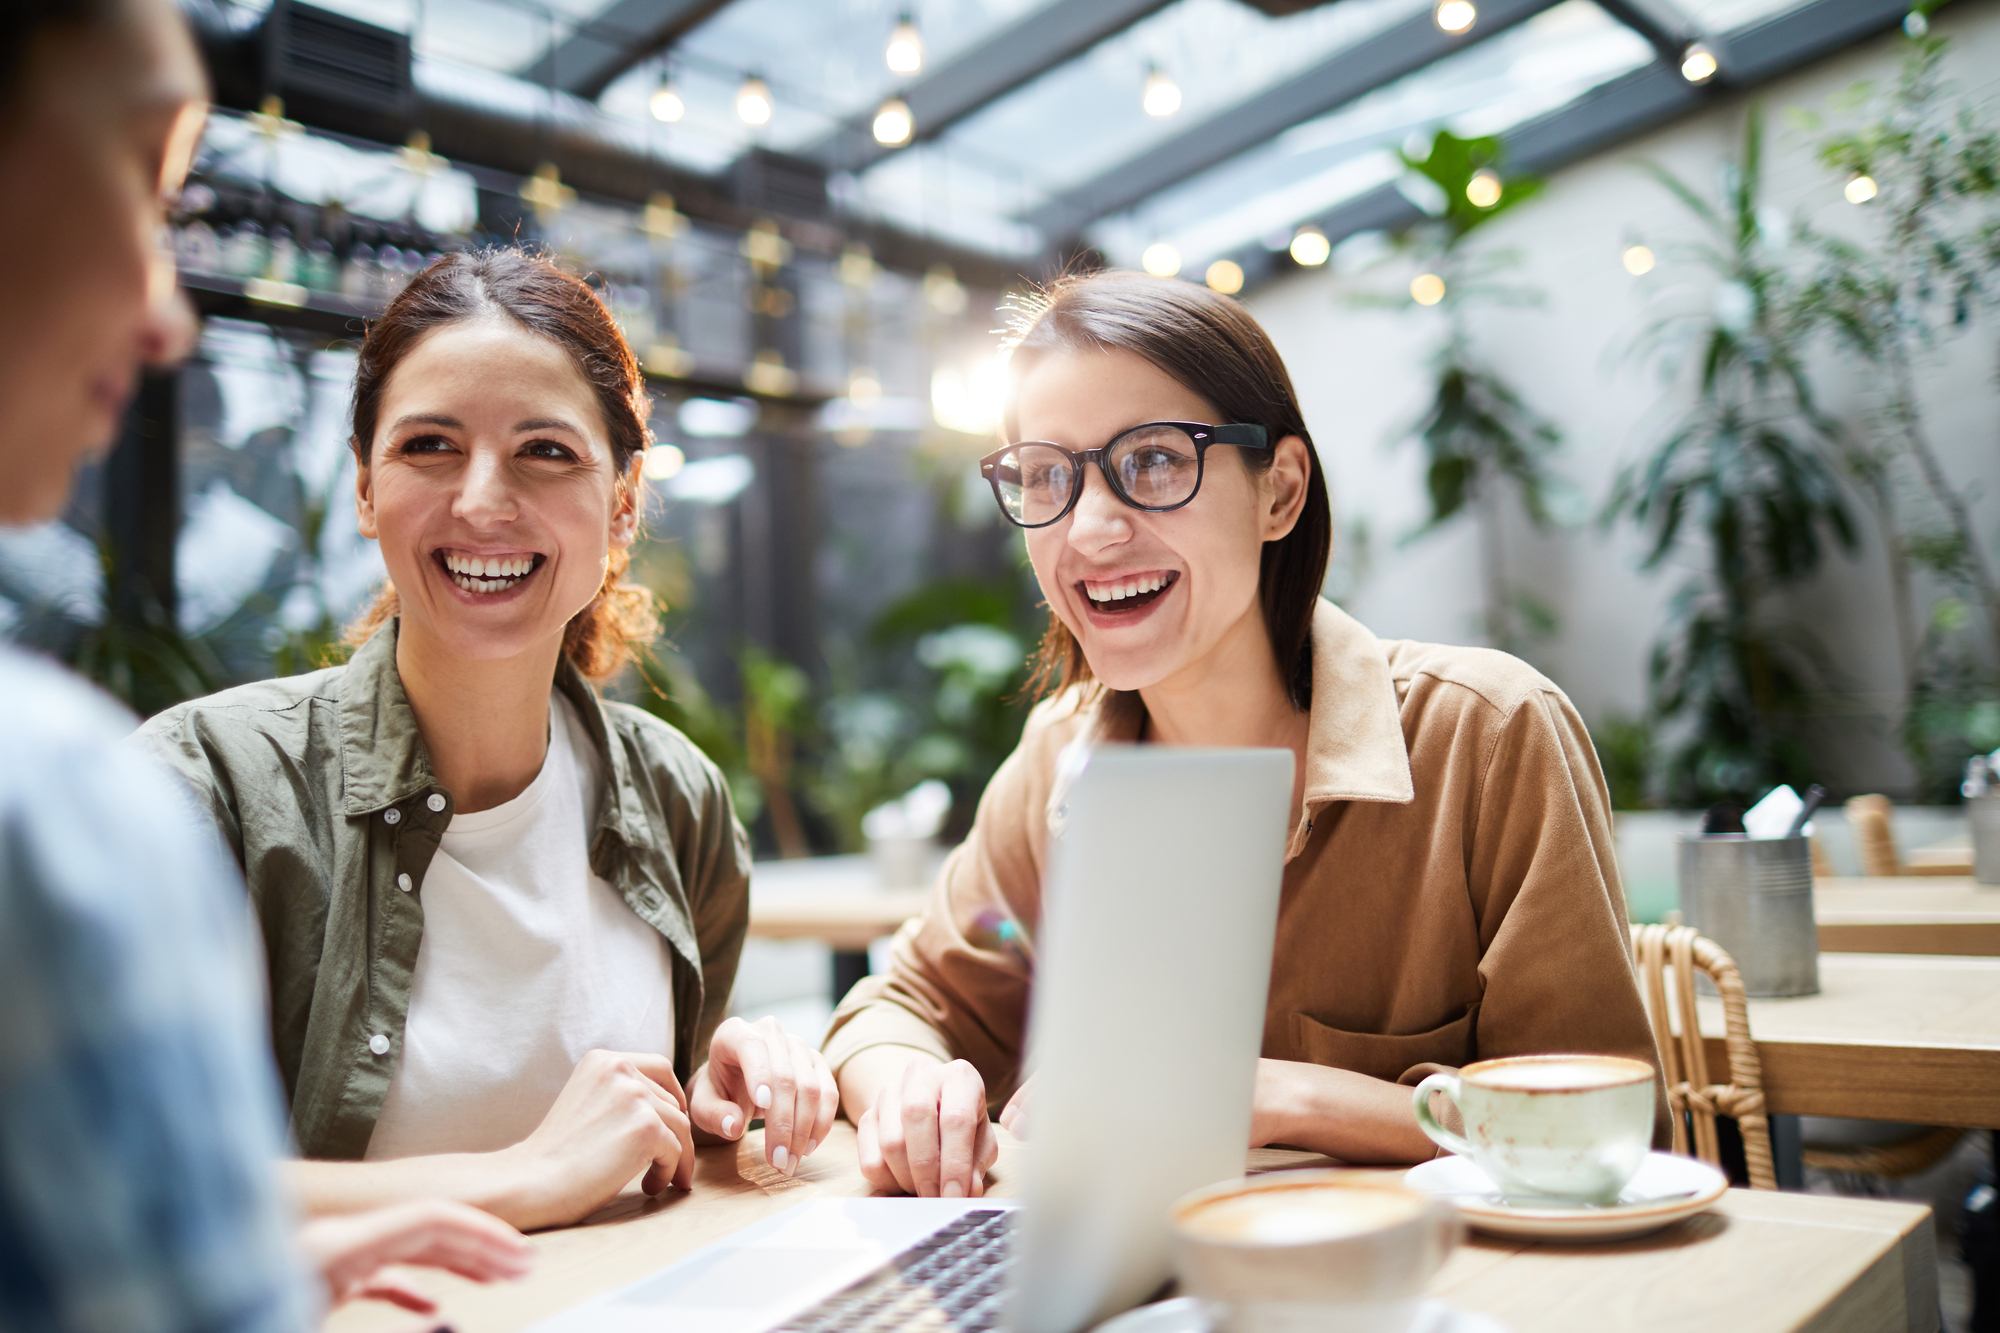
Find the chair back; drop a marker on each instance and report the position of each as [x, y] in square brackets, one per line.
[1691, 1097]
[1869, 817]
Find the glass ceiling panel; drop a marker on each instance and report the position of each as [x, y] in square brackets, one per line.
[1486, 89]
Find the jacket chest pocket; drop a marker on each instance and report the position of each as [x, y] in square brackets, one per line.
[1383, 1056]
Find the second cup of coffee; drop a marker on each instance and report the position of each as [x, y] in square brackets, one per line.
[1548, 1127]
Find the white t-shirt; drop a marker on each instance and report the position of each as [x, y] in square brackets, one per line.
[528, 961]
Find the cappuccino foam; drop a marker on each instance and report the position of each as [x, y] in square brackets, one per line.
[1558, 1075]
[1302, 1214]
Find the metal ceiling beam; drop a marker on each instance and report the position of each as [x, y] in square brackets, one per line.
[1626, 106]
[1374, 63]
[1041, 40]
[625, 33]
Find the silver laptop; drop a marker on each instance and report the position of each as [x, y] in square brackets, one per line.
[1154, 964]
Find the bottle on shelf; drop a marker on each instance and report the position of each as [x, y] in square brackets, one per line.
[357, 275]
[196, 249]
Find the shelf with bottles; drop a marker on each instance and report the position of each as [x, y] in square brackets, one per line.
[280, 253]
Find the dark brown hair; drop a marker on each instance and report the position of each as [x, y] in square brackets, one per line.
[1210, 344]
[543, 299]
[22, 22]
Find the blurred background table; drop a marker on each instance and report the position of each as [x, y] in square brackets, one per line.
[1928, 915]
[1757, 1263]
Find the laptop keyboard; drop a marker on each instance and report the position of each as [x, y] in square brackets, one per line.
[954, 1278]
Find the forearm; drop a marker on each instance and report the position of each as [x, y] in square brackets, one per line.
[864, 1076]
[1337, 1112]
[501, 1183]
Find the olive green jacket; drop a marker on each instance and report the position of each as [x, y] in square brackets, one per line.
[322, 788]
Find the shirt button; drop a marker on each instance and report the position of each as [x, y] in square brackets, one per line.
[436, 803]
[392, 816]
[379, 1044]
[403, 883]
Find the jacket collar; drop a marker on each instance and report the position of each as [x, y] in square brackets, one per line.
[383, 761]
[1355, 749]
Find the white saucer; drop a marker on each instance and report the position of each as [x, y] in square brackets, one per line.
[1667, 1189]
[1184, 1315]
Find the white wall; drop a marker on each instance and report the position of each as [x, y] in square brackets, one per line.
[1361, 374]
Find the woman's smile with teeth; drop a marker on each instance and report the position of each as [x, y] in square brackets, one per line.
[1126, 589]
[492, 573]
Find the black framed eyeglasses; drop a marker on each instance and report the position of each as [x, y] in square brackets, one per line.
[1155, 467]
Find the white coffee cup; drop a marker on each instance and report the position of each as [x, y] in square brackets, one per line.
[1311, 1251]
[1569, 1127]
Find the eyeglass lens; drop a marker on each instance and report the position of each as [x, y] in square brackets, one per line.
[1155, 467]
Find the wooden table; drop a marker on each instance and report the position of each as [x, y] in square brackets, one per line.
[1889, 1037]
[845, 919]
[1757, 1262]
[1937, 915]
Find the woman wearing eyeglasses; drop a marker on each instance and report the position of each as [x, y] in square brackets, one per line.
[1450, 892]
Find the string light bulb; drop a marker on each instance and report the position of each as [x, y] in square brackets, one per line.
[1161, 260]
[893, 125]
[1427, 289]
[663, 462]
[1638, 260]
[753, 102]
[1310, 248]
[1162, 96]
[1454, 16]
[1861, 189]
[905, 52]
[1484, 188]
[1225, 276]
[1698, 63]
[666, 104]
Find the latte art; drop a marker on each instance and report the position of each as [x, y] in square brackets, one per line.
[1559, 1075]
[1298, 1216]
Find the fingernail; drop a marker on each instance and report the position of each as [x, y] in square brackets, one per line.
[728, 1126]
[763, 1097]
[812, 1147]
[953, 1190]
[778, 1156]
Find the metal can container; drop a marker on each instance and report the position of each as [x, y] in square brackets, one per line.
[1753, 896]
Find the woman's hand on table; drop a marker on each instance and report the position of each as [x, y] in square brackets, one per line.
[759, 1069]
[926, 1132]
[350, 1251]
[620, 1113]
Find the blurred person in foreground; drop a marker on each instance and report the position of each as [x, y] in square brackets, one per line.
[139, 1115]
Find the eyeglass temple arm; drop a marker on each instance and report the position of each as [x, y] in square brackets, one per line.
[1242, 435]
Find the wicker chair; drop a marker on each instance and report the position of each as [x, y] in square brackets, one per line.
[1874, 836]
[1694, 1101]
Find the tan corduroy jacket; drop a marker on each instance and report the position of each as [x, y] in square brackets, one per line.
[1450, 890]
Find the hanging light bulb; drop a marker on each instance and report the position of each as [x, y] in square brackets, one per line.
[666, 104]
[1310, 247]
[1225, 276]
[753, 102]
[892, 123]
[1483, 189]
[905, 52]
[1638, 260]
[1861, 189]
[1698, 63]
[1454, 16]
[1163, 95]
[1427, 289]
[1161, 260]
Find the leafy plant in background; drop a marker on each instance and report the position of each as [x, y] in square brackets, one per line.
[1480, 438]
[1927, 263]
[949, 658]
[1745, 479]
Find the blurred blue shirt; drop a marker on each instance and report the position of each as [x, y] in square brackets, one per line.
[140, 1118]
